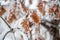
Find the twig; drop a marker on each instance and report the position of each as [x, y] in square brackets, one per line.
[5, 35]
[5, 22]
[30, 35]
[46, 26]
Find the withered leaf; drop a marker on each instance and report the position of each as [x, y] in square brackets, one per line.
[2, 10]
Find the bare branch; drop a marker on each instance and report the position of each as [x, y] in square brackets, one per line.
[5, 22]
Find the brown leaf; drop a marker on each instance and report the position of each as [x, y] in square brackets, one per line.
[35, 17]
[57, 16]
[30, 1]
[25, 25]
[53, 9]
[23, 7]
[2, 10]
[5, 0]
[41, 8]
[11, 17]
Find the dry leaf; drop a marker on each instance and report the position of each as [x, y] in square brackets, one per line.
[41, 8]
[57, 16]
[2, 10]
[35, 17]
[23, 7]
[11, 17]
[25, 25]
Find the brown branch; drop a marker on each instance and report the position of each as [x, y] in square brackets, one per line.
[46, 26]
[31, 35]
[53, 29]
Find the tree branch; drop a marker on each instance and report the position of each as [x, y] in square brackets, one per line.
[5, 22]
